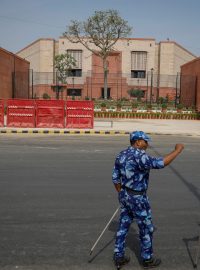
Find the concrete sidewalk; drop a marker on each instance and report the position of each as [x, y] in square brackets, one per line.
[122, 126]
[152, 126]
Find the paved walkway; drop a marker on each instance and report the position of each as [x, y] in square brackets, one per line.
[160, 126]
[123, 126]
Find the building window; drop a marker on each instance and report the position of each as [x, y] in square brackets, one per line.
[138, 74]
[108, 93]
[138, 64]
[74, 92]
[77, 70]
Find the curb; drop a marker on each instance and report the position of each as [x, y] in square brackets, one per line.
[73, 132]
[85, 132]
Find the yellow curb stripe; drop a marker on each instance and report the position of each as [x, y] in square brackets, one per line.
[79, 132]
[57, 132]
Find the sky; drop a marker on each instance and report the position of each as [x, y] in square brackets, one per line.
[24, 21]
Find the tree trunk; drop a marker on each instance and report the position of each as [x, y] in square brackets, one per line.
[105, 69]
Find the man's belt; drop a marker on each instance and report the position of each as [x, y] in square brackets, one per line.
[135, 192]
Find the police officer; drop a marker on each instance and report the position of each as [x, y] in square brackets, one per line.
[131, 178]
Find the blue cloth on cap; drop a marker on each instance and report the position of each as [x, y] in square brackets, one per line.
[139, 135]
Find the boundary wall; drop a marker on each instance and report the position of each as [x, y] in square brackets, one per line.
[14, 76]
[50, 113]
[79, 114]
[20, 113]
[47, 113]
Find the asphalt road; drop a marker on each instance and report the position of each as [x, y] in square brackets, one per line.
[56, 196]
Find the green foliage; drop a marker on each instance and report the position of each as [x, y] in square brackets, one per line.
[138, 93]
[134, 105]
[161, 100]
[124, 99]
[180, 106]
[167, 98]
[146, 115]
[164, 106]
[63, 64]
[46, 96]
[119, 104]
[149, 106]
[103, 105]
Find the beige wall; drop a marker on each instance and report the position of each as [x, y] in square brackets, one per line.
[40, 54]
[164, 58]
[181, 56]
[172, 56]
[32, 54]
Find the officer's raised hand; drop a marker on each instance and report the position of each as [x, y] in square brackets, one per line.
[179, 147]
[171, 156]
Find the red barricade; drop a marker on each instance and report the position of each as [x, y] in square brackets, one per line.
[50, 113]
[79, 114]
[20, 113]
[1, 113]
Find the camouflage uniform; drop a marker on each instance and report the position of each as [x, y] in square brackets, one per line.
[131, 170]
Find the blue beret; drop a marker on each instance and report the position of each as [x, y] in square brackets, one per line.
[139, 135]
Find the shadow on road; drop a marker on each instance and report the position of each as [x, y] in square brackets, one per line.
[132, 241]
[194, 190]
[187, 241]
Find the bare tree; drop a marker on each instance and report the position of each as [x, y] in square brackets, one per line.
[98, 34]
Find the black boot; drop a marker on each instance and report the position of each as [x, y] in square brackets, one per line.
[151, 263]
[120, 261]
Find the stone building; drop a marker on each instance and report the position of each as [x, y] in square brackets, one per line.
[190, 84]
[14, 76]
[135, 63]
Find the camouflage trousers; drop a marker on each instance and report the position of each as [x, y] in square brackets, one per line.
[134, 207]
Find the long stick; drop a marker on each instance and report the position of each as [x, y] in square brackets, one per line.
[103, 230]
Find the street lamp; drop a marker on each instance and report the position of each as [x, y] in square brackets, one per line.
[151, 90]
[176, 98]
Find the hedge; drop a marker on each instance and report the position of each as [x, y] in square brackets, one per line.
[147, 115]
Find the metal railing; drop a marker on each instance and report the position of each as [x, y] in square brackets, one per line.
[47, 85]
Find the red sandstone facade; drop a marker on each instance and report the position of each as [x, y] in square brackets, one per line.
[118, 84]
[190, 84]
[14, 76]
